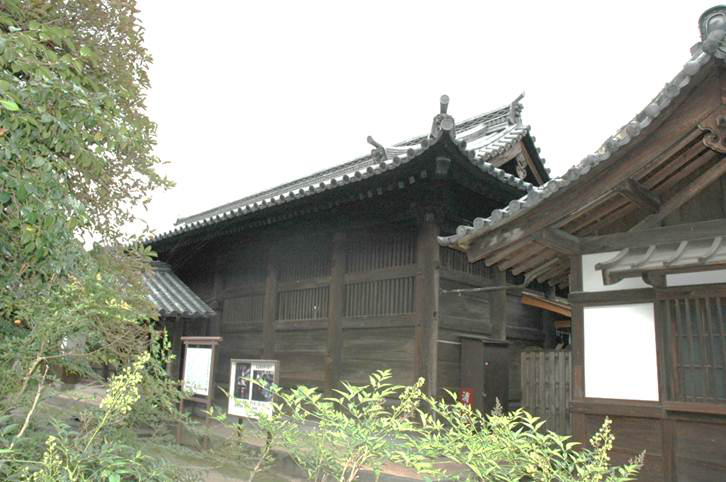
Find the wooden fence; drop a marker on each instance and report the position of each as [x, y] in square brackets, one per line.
[546, 392]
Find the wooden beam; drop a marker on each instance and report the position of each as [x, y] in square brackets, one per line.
[685, 194]
[546, 304]
[560, 324]
[558, 240]
[426, 302]
[214, 325]
[645, 237]
[639, 195]
[498, 306]
[336, 312]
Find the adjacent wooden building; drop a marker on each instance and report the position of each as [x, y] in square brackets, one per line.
[339, 274]
[637, 233]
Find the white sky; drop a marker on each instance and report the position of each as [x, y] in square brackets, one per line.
[251, 94]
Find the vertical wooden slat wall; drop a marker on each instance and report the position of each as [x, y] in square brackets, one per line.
[546, 387]
[378, 306]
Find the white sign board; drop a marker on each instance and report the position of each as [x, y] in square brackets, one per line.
[197, 364]
[247, 399]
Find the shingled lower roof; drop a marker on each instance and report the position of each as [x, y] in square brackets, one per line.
[687, 255]
[714, 46]
[172, 297]
[480, 139]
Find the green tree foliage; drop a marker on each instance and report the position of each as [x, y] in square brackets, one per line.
[100, 451]
[76, 158]
[76, 162]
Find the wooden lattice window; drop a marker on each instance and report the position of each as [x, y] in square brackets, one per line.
[370, 252]
[243, 309]
[303, 259]
[379, 298]
[695, 335]
[303, 304]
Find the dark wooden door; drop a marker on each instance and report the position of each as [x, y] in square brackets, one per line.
[496, 375]
[472, 370]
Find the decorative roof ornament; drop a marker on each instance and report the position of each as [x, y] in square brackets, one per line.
[712, 25]
[521, 166]
[443, 122]
[515, 111]
[379, 152]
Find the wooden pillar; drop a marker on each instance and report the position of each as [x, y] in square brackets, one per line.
[174, 329]
[578, 350]
[427, 303]
[269, 309]
[214, 327]
[549, 330]
[498, 306]
[336, 312]
[668, 425]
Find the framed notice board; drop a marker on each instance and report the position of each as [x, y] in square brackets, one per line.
[246, 398]
[200, 355]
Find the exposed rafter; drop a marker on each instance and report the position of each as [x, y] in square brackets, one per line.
[683, 195]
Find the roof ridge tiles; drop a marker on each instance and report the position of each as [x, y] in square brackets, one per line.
[508, 117]
[501, 115]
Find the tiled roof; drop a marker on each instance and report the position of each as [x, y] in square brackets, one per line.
[172, 297]
[628, 263]
[480, 138]
[713, 46]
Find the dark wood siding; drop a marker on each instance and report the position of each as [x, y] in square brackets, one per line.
[282, 291]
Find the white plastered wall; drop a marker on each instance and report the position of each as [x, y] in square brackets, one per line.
[620, 352]
[697, 278]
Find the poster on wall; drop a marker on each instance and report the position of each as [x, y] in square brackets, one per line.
[197, 364]
[248, 398]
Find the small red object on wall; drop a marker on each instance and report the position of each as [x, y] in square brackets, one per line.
[466, 396]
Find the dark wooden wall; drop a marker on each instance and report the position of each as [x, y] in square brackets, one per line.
[343, 289]
[378, 318]
[289, 284]
[470, 313]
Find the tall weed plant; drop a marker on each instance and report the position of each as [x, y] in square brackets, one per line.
[365, 427]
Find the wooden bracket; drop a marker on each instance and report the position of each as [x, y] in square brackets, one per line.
[640, 195]
[558, 240]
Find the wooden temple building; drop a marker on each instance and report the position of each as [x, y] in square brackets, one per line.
[340, 273]
[637, 233]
